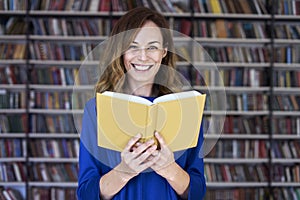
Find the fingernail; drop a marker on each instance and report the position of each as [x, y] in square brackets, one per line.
[151, 141]
[138, 135]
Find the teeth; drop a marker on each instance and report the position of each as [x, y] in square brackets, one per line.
[142, 67]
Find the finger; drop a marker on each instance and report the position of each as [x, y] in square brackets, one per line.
[139, 162]
[149, 162]
[148, 153]
[159, 138]
[155, 153]
[132, 141]
[144, 146]
[136, 145]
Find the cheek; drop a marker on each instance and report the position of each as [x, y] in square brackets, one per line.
[126, 60]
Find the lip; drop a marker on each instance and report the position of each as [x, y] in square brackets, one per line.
[142, 67]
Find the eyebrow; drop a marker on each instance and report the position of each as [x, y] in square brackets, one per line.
[152, 42]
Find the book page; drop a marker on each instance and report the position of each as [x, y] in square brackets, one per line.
[179, 121]
[131, 98]
[119, 120]
[175, 96]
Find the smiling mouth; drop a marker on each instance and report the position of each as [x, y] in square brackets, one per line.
[141, 67]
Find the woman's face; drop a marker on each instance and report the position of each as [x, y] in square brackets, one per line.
[143, 58]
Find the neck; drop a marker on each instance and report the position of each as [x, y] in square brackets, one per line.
[143, 89]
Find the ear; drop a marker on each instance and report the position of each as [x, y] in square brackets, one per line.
[165, 51]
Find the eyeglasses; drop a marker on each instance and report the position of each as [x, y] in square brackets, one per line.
[149, 51]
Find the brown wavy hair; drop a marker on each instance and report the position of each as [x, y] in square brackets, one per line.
[122, 35]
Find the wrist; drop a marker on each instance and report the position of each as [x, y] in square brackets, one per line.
[169, 172]
[125, 175]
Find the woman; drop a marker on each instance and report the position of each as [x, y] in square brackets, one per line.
[142, 170]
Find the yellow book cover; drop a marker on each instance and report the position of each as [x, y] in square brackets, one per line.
[177, 117]
[215, 6]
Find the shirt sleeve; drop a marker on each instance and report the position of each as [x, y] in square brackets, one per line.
[195, 168]
[89, 167]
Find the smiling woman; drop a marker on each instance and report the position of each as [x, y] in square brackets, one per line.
[128, 39]
[143, 58]
[141, 62]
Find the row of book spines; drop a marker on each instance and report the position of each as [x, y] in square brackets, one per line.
[286, 193]
[62, 172]
[16, 123]
[232, 125]
[12, 148]
[236, 194]
[241, 54]
[12, 74]
[107, 5]
[256, 78]
[260, 125]
[13, 172]
[66, 124]
[208, 6]
[199, 28]
[17, 172]
[54, 124]
[235, 173]
[63, 148]
[240, 149]
[286, 173]
[259, 102]
[284, 7]
[237, 76]
[236, 102]
[13, 99]
[52, 193]
[51, 148]
[231, 77]
[9, 193]
[286, 149]
[59, 100]
[255, 149]
[228, 53]
[286, 54]
[253, 193]
[44, 100]
[250, 173]
[54, 148]
[221, 6]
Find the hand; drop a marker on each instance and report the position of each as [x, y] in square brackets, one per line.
[135, 158]
[164, 158]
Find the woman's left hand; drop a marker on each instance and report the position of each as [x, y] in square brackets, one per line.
[165, 158]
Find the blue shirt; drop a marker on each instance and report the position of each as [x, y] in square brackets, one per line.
[94, 162]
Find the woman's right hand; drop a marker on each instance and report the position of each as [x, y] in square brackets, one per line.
[135, 157]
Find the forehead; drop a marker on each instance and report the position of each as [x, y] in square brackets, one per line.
[149, 32]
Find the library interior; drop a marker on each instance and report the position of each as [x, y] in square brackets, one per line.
[254, 44]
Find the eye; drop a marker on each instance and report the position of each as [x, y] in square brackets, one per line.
[132, 47]
[152, 48]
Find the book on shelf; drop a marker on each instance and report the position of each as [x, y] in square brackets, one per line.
[177, 117]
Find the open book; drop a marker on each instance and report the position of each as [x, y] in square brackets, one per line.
[177, 117]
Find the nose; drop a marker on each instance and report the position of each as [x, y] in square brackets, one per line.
[142, 54]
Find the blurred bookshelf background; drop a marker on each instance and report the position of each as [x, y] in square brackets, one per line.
[255, 44]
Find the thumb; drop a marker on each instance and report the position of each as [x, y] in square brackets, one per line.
[159, 138]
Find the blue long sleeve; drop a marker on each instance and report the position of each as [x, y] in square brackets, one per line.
[94, 162]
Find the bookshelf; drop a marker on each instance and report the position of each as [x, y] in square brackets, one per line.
[254, 44]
